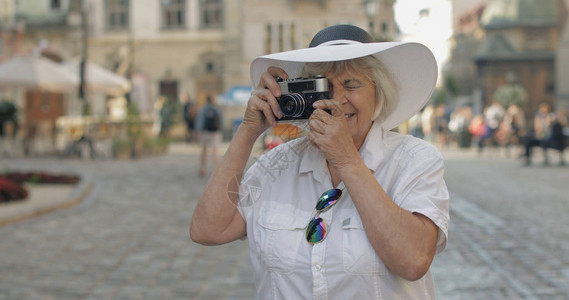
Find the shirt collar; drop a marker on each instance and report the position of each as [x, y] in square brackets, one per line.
[314, 161]
[371, 153]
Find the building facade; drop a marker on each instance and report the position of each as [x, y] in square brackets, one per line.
[50, 28]
[466, 42]
[168, 48]
[562, 59]
[281, 25]
[521, 39]
[202, 48]
[505, 42]
[176, 49]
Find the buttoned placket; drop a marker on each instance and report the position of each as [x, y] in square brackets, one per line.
[319, 282]
[320, 290]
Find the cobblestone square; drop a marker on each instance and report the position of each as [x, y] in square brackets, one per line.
[128, 238]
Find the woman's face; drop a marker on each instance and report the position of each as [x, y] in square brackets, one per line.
[356, 94]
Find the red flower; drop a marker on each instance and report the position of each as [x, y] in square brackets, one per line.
[10, 190]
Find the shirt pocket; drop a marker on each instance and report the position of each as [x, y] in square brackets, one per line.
[358, 255]
[280, 234]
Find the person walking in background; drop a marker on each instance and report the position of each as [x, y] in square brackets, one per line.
[556, 138]
[479, 130]
[542, 121]
[428, 120]
[416, 126]
[189, 113]
[208, 127]
[441, 125]
[493, 116]
[512, 128]
[541, 126]
[458, 125]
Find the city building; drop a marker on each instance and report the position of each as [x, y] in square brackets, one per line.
[562, 58]
[466, 43]
[521, 39]
[48, 28]
[204, 47]
[171, 49]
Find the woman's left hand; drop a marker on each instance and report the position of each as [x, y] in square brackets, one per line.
[330, 133]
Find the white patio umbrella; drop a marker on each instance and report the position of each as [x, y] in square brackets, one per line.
[100, 79]
[34, 72]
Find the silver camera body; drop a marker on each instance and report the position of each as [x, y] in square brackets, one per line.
[299, 94]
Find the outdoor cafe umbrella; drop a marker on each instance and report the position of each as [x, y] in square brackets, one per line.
[34, 72]
[100, 79]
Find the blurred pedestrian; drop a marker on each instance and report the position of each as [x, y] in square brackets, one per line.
[428, 122]
[29, 139]
[441, 125]
[537, 137]
[493, 116]
[479, 130]
[9, 142]
[189, 113]
[458, 126]
[416, 126]
[167, 112]
[512, 128]
[542, 121]
[556, 138]
[208, 127]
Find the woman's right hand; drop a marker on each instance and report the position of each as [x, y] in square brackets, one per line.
[263, 108]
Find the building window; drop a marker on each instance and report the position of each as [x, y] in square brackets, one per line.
[117, 14]
[169, 89]
[536, 39]
[280, 37]
[384, 28]
[45, 103]
[173, 13]
[293, 36]
[211, 13]
[209, 67]
[268, 39]
[55, 4]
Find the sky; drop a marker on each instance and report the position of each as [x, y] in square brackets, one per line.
[407, 12]
[434, 31]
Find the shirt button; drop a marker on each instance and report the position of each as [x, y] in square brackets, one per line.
[317, 267]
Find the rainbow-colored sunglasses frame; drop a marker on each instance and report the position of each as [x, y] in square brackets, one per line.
[317, 230]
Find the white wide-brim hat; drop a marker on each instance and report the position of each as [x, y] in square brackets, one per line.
[412, 65]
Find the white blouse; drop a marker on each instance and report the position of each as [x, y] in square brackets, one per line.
[277, 199]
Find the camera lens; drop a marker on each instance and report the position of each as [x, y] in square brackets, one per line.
[292, 105]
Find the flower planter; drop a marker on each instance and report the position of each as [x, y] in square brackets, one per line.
[11, 190]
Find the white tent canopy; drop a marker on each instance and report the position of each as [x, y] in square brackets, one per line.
[100, 79]
[34, 72]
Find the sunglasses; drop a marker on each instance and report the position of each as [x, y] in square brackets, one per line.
[317, 230]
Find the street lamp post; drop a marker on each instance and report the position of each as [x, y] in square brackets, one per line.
[84, 56]
[370, 9]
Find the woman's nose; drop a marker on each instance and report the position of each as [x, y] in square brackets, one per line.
[340, 96]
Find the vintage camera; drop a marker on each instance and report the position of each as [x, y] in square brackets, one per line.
[298, 94]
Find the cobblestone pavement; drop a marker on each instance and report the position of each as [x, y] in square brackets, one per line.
[129, 238]
[508, 235]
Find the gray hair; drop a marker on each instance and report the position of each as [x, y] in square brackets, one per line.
[386, 91]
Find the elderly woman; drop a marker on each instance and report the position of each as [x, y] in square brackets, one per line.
[352, 210]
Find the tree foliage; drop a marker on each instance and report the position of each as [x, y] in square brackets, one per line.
[509, 94]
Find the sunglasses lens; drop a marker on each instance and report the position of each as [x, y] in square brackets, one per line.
[316, 230]
[328, 199]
